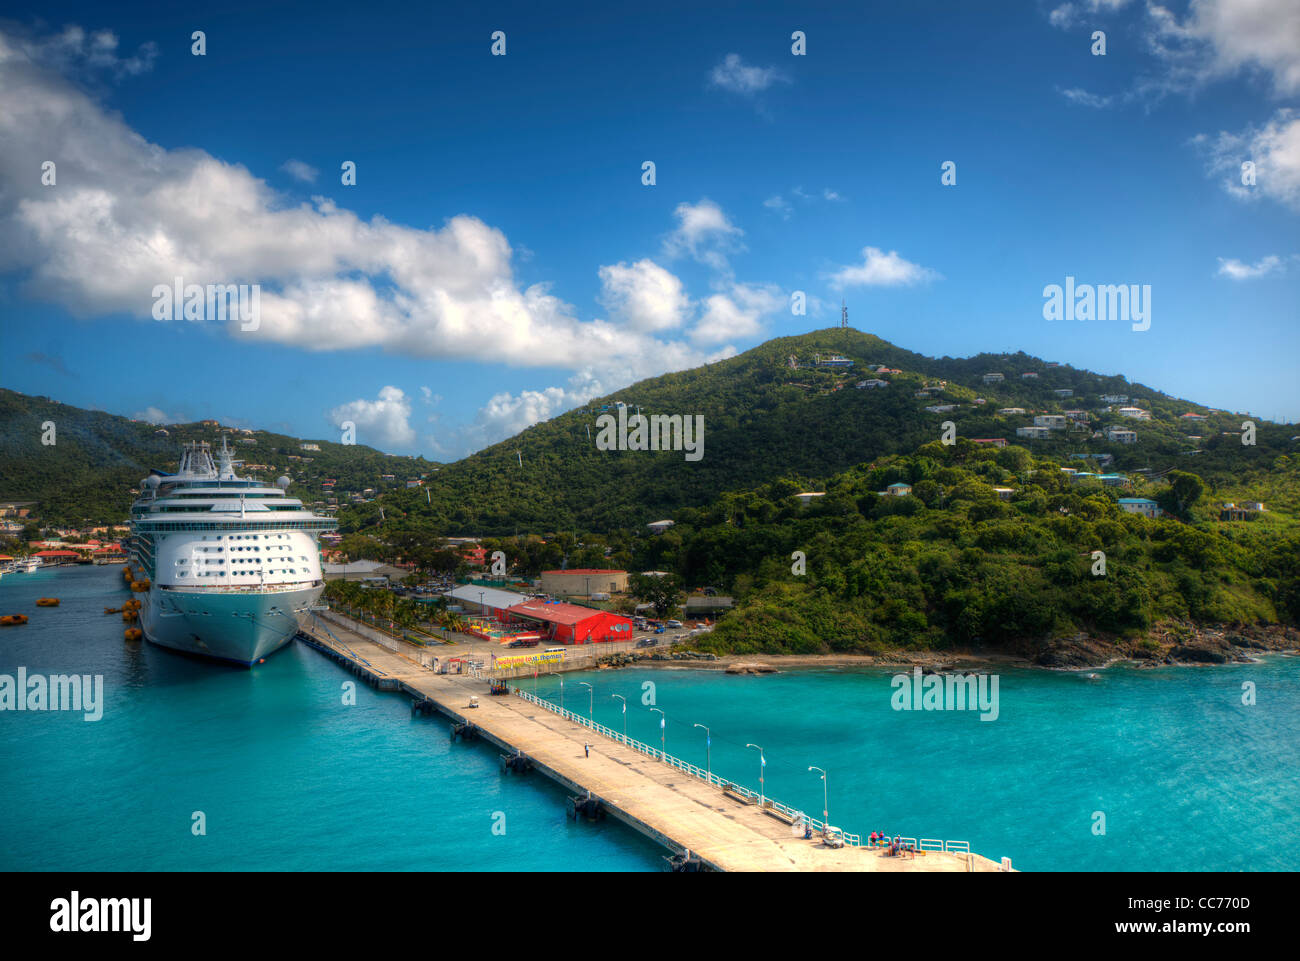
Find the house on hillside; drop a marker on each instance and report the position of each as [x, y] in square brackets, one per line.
[990, 441]
[1064, 392]
[872, 384]
[1050, 421]
[899, 489]
[993, 378]
[1034, 433]
[1011, 411]
[1029, 375]
[1117, 435]
[1140, 505]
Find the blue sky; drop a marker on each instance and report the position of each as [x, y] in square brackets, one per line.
[499, 259]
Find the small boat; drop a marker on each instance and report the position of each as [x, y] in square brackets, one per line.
[9, 620]
[47, 602]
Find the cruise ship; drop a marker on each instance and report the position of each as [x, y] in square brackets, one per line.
[228, 567]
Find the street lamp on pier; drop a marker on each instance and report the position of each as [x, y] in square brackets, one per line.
[762, 763]
[826, 817]
[663, 725]
[624, 700]
[561, 677]
[708, 752]
[591, 701]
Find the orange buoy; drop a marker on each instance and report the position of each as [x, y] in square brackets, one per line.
[139, 586]
[133, 634]
[47, 602]
[9, 620]
[129, 616]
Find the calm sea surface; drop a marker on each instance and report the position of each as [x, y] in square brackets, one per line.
[1185, 775]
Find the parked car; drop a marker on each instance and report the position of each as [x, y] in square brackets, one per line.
[646, 642]
[522, 644]
[674, 624]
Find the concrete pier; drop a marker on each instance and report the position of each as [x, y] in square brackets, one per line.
[667, 805]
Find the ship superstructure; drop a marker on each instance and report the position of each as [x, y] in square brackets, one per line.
[228, 566]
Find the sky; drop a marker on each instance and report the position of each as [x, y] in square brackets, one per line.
[503, 253]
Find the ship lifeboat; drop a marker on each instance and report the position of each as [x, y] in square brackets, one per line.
[9, 620]
[47, 602]
[133, 634]
[139, 586]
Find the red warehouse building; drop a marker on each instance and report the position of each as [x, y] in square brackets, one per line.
[572, 624]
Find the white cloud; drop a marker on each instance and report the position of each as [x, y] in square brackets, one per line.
[644, 295]
[737, 313]
[1235, 269]
[704, 232]
[880, 269]
[734, 75]
[1086, 99]
[779, 204]
[1220, 38]
[831, 195]
[1273, 148]
[1068, 15]
[430, 397]
[300, 171]
[153, 415]
[77, 50]
[384, 423]
[128, 215]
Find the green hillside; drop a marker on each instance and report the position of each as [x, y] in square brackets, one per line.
[955, 565]
[765, 419]
[87, 473]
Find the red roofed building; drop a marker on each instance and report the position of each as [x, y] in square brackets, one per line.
[995, 441]
[476, 555]
[57, 557]
[572, 624]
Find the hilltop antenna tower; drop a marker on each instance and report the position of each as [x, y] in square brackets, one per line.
[844, 315]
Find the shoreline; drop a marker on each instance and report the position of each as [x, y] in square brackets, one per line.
[1173, 645]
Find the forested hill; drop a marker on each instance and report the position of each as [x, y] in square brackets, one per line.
[87, 474]
[767, 419]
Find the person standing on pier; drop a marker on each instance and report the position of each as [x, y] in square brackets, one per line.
[586, 750]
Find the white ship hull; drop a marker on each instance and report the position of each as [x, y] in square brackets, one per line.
[238, 627]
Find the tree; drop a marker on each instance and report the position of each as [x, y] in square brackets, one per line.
[660, 592]
[1184, 490]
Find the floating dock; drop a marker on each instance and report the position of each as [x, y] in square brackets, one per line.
[703, 826]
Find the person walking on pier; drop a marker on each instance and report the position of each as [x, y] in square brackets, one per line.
[586, 750]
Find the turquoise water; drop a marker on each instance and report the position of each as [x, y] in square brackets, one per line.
[288, 777]
[1188, 778]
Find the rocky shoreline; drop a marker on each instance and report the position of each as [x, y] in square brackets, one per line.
[1170, 644]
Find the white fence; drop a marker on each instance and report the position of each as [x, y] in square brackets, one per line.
[687, 768]
[853, 840]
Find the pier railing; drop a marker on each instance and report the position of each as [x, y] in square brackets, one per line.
[767, 803]
[788, 813]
